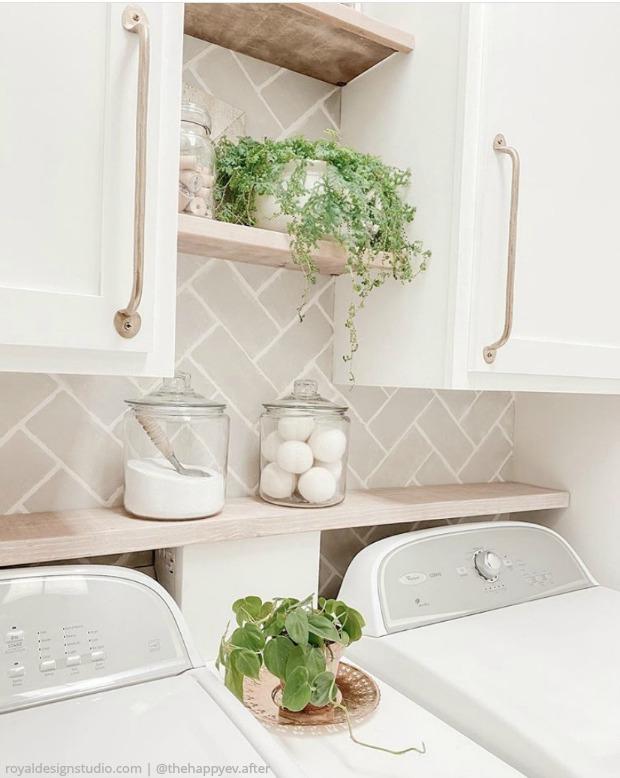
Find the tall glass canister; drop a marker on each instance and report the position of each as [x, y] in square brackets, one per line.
[176, 452]
[304, 447]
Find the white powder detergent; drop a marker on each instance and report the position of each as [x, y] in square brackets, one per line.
[154, 490]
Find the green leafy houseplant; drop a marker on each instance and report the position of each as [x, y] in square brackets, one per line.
[294, 640]
[358, 203]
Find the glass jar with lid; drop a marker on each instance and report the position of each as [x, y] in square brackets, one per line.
[176, 453]
[197, 161]
[303, 452]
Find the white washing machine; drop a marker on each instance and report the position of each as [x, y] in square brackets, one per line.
[97, 668]
[498, 629]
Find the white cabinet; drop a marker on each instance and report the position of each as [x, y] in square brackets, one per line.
[544, 76]
[68, 107]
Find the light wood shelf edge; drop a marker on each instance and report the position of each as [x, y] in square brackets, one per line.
[238, 243]
[44, 537]
[338, 15]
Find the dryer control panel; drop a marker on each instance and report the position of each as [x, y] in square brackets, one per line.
[64, 634]
[434, 575]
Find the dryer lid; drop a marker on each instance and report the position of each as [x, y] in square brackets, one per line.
[536, 684]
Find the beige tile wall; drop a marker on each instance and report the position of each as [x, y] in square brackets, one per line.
[239, 336]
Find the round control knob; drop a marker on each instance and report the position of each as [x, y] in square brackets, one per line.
[487, 565]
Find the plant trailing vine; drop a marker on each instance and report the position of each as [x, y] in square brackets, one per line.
[358, 203]
[293, 639]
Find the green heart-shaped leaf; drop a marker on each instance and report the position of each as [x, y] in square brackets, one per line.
[297, 690]
[246, 662]
[323, 627]
[323, 689]
[247, 609]
[248, 636]
[315, 662]
[233, 681]
[276, 655]
[296, 624]
[353, 624]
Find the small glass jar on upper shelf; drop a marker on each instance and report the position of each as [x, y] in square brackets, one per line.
[304, 447]
[196, 162]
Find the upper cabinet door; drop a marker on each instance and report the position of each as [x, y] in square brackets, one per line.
[407, 111]
[68, 113]
[548, 81]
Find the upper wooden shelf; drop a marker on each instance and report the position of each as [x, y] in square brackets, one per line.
[210, 238]
[43, 537]
[327, 41]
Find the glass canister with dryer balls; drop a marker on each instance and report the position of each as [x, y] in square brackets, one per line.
[304, 447]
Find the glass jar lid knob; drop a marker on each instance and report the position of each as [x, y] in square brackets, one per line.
[305, 388]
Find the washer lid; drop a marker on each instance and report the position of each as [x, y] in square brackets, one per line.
[170, 720]
[536, 684]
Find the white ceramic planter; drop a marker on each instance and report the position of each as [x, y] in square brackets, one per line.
[267, 214]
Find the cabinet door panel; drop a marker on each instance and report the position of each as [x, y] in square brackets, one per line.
[549, 84]
[67, 161]
[406, 111]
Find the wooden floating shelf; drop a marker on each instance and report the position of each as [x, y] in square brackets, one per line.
[327, 41]
[44, 537]
[210, 238]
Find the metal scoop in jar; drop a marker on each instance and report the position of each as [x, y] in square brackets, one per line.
[163, 444]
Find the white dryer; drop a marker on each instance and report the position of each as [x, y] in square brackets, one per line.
[98, 675]
[498, 629]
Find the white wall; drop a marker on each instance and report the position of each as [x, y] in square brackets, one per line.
[573, 441]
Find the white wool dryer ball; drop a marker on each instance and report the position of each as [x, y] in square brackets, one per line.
[335, 468]
[295, 427]
[295, 456]
[277, 483]
[317, 485]
[270, 446]
[328, 445]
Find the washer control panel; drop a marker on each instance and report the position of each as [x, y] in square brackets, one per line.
[442, 575]
[62, 635]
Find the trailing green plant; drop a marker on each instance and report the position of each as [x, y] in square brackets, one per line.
[292, 639]
[359, 203]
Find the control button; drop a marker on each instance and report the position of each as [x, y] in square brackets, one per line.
[98, 655]
[412, 579]
[47, 664]
[487, 565]
[507, 562]
[16, 671]
[14, 634]
[462, 570]
[73, 659]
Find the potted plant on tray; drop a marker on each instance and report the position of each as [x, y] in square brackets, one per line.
[322, 190]
[300, 645]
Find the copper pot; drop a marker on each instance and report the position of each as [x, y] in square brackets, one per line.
[319, 715]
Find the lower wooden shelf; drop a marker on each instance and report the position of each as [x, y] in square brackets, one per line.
[44, 537]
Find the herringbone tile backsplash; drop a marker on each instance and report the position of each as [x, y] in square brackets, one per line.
[239, 336]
